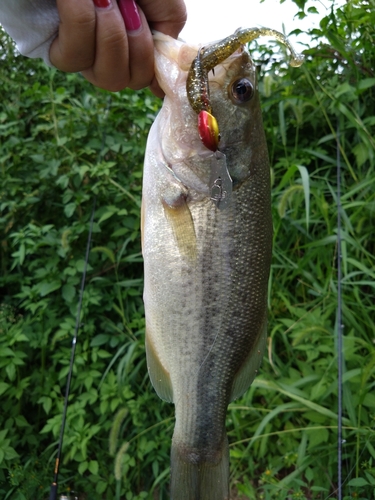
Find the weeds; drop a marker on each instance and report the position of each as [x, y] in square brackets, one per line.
[63, 142]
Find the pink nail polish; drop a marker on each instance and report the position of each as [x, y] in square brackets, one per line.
[130, 14]
[102, 4]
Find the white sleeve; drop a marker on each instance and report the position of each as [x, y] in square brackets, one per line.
[33, 24]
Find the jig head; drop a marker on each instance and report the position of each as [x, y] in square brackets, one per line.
[208, 57]
[208, 130]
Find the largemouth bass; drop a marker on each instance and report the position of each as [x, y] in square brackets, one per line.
[206, 266]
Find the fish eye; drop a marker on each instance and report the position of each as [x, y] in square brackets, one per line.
[242, 90]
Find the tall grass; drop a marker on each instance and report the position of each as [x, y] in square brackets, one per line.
[284, 431]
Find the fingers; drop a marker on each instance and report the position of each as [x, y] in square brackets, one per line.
[168, 17]
[122, 58]
[110, 41]
[140, 45]
[155, 88]
[74, 47]
[109, 68]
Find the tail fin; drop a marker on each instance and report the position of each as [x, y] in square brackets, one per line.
[193, 479]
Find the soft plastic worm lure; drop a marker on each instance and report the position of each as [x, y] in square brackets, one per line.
[208, 57]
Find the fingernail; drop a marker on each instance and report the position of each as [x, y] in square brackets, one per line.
[130, 14]
[102, 4]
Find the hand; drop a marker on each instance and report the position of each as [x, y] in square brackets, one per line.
[110, 41]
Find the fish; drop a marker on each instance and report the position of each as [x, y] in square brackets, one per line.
[207, 244]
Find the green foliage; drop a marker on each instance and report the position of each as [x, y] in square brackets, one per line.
[284, 431]
[63, 144]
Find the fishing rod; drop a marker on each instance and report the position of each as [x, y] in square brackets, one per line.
[54, 485]
[339, 324]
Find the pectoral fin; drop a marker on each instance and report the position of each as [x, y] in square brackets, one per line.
[159, 376]
[249, 368]
[179, 216]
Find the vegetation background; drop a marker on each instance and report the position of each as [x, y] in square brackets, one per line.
[64, 143]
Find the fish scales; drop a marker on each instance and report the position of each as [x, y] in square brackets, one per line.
[206, 269]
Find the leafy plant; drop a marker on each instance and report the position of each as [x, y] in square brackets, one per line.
[65, 144]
